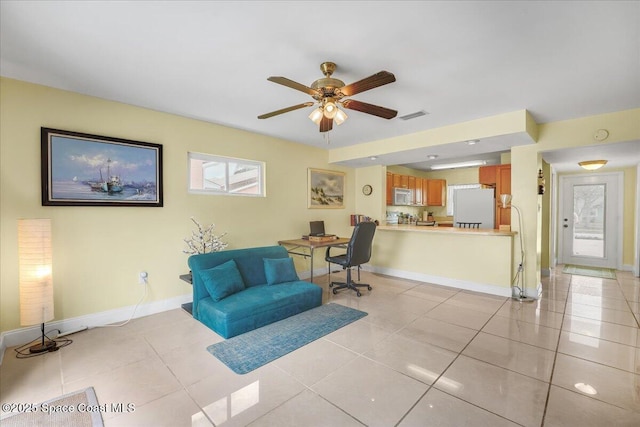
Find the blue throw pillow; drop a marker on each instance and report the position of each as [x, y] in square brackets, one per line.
[223, 280]
[279, 270]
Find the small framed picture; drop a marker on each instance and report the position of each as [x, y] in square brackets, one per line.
[326, 189]
[79, 169]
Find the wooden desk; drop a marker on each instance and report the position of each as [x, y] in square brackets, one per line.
[297, 245]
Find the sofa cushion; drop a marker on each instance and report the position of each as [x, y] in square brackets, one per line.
[223, 280]
[279, 270]
[249, 262]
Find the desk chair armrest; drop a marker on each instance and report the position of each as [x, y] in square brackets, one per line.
[328, 253]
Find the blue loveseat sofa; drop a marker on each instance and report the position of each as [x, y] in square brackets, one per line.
[239, 290]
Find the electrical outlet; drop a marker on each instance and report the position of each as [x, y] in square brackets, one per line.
[142, 277]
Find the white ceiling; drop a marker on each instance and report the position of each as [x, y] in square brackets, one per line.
[458, 61]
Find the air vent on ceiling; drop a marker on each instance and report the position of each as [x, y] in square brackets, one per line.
[413, 115]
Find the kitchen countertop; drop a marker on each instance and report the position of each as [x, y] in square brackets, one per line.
[447, 230]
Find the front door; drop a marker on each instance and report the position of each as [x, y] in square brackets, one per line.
[589, 219]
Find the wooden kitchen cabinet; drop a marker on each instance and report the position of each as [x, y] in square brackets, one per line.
[400, 181]
[412, 187]
[396, 180]
[498, 177]
[417, 194]
[425, 192]
[487, 175]
[436, 192]
[503, 186]
[389, 189]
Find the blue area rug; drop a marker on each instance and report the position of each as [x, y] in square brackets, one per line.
[246, 352]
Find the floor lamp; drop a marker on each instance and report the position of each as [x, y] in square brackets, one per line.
[518, 279]
[36, 284]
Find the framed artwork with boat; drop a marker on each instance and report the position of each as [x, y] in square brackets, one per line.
[80, 169]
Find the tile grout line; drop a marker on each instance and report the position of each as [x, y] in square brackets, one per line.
[636, 317]
[184, 386]
[432, 385]
[555, 356]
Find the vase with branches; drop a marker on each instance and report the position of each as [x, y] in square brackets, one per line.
[203, 240]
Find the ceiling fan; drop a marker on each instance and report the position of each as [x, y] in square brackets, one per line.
[328, 93]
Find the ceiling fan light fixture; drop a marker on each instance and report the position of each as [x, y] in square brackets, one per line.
[340, 117]
[316, 116]
[592, 165]
[328, 92]
[330, 109]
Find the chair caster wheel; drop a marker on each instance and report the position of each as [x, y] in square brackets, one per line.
[335, 291]
[359, 294]
[369, 287]
[331, 285]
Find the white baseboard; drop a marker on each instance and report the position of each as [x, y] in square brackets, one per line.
[304, 275]
[26, 335]
[628, 267]
[444, 281]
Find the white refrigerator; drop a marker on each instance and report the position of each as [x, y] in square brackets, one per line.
[474, 205]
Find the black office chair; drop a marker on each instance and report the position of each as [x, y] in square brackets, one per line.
[358, 252]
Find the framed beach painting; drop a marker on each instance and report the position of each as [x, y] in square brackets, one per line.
[80, 169]
[326, 189]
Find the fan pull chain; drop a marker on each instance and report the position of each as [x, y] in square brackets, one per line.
[327, 138]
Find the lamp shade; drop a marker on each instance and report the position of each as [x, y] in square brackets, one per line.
[36, 284]
[340, 117]
[316, 115]
[505, 199]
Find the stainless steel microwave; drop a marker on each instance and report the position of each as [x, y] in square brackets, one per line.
[401, 196]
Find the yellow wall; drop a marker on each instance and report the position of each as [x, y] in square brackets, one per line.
[373, 205]
[98, 251]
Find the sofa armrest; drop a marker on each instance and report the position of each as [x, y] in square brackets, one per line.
[199, 292]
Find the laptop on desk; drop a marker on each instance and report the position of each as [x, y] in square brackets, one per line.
[316, 229]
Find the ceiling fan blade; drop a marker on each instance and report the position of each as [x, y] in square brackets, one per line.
[371, 82]
[294, 85]
[326, 124]
[285, 110]
[363, 107]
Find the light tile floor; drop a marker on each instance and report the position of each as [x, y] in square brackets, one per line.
[425, 355]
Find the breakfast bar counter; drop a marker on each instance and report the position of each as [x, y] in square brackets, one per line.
[450, 230]
[480, 260]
